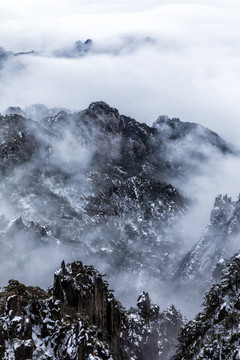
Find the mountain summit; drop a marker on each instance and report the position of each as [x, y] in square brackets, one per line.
[99, 186]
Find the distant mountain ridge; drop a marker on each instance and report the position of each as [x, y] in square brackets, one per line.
[124, 45]
[127, 206]
[98, 185]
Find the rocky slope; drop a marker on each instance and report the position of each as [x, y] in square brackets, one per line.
[79, 318]
[203, 264]
[86, 177]
[214, 333]
[97, 184]
[188, 147]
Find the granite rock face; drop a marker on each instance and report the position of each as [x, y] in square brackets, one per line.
[89, 179]
[84, 289]
[219, 241]
[98, 185]
[79, 319]
[214, 333]
[18, 141]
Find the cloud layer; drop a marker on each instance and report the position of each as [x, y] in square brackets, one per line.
[190, 72]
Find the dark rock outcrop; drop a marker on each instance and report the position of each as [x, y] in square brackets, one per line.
[103, 208]
[219, 241]
[18, 142]
[214, 333]
[44, 328]
[79, 319]
[82, 48]
[98, 184]
[84, 289]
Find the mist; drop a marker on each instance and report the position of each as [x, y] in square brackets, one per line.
[45, 208]
[177, 58]
[190, 71]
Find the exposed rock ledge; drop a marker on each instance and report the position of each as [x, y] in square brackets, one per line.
[79, 318]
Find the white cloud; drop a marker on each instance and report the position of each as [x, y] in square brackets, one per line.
[192, 72]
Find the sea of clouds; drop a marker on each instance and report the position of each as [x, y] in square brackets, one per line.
[189, 70]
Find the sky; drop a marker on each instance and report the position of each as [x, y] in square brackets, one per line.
[189, 70]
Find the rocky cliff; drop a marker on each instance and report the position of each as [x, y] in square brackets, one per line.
[219, 241]
[98, 185]
[79, 318]
[214, 333]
